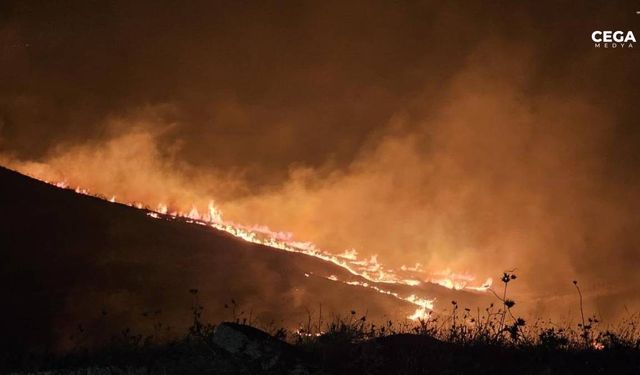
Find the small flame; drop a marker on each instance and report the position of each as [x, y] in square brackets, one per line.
[215, 215]
[597, 345]
[194, 214]
[423, 312]
[412, 282]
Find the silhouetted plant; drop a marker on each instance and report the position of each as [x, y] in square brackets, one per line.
[495, 326]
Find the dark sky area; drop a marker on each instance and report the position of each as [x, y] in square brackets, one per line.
[301, 82]
[468, 135]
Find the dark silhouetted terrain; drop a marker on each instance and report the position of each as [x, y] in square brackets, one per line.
[107, 288]
[75, 265]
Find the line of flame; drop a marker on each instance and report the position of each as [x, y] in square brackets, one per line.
[369, 269]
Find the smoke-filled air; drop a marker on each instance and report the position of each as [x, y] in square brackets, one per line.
[456, 140]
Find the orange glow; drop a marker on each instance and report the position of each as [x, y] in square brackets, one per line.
[368, 269]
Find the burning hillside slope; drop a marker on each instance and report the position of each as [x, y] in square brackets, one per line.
[72, 259]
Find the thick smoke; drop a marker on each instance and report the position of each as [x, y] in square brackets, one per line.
[459, 139]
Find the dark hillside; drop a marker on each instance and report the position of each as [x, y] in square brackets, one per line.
[70, 259]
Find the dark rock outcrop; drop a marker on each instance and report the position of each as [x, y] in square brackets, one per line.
[260, 351]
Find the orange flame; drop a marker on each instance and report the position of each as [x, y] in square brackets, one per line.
[369, 269]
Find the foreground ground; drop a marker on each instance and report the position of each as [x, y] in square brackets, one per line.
[349, 346]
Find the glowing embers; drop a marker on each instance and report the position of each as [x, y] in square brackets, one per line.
[446, 278]
[425, 306]
[458, 281]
